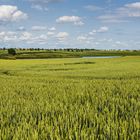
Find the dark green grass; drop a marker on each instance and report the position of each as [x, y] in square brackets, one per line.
[43, 54]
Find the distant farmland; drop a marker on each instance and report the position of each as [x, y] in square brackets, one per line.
[66, 53]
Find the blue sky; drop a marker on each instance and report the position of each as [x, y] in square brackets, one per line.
[99, 24]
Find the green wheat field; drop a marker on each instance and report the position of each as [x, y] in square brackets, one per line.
[70, 99]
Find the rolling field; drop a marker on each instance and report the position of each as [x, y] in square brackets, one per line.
[70, 99]
[69, 53]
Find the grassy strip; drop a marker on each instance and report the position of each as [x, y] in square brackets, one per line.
[64, 54]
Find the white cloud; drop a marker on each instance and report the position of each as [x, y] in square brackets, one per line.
[29, 38]
[52, 29]
[135, 14]
[135, 5]
[43, 1]
[80, 23]
[111, 18]
[38, 28]
[107, 17]
[123, 13]
[76, 20]
[84, 39]
[39, 7]
[10, 13]
[50, 33]
[103, 29]
[42, 4]
[21, 28]
[8, 36]
[109, 1]
[62, 36]
[32, 38]
[92, 32]
[90, 37]
[93, 8]
[118, 42]
[25, 36]
[41, 39]
[81, 38]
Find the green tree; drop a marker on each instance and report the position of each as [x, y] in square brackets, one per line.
[12, 51]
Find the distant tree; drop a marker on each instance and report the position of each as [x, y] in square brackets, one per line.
[12, 51]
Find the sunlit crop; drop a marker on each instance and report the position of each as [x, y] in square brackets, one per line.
[70, 99]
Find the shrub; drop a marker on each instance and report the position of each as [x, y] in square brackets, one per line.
[12, 51]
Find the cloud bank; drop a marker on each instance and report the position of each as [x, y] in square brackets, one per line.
[10, 13]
